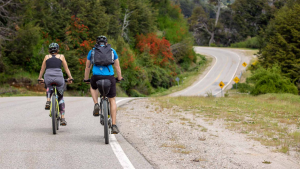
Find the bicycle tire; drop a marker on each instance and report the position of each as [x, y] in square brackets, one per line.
[58, 122]
[106, 127]
[54, 114]
[58, 116]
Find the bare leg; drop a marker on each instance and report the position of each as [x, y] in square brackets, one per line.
[113, 109]
[94, 94]
[48, 94]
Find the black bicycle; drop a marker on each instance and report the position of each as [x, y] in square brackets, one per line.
[105, 118]
[54, 107]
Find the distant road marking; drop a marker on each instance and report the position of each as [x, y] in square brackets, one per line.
[233, 73]
[216, 78]
[203, 77]
[117, 149]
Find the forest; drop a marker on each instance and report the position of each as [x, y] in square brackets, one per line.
[154, 38]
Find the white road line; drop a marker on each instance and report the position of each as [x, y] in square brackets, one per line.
[202, 78]
[117, 149]
[233, 74]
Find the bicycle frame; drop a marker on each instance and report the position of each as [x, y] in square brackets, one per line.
[56, 99]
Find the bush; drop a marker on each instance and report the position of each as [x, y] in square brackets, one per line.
[135, 93]
[270, 81]
[248, 43]
[243, 87]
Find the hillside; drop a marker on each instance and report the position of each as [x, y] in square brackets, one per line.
[151, 38]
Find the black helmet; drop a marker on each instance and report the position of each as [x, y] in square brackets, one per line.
[53, 48]
[101, 39]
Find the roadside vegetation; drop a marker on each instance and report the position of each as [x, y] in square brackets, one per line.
[251, 43]
[154, 47]
[187, 78]
[272, 27]
[271, 119]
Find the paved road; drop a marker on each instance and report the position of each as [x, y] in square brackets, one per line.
[26, 139]
[224, 69]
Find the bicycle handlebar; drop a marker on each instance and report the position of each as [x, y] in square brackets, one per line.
[118, 81]
[66, 80]
[89, 80]
[42, 81]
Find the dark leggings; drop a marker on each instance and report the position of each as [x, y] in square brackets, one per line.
[61, 101]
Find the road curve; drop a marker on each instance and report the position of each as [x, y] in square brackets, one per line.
[226, 66]
[26, 139]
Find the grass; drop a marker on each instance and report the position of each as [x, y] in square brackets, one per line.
[272, 119]
[248, 43]
[177, 148]
[19, 76]
[9, 91]
[186, 79]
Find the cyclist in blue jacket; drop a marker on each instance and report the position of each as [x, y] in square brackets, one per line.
[104, 72]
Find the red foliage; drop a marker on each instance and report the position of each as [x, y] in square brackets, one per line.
[82, 61]
[128, 60]
[159, 48]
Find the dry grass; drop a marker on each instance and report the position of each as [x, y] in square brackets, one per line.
[272, 119]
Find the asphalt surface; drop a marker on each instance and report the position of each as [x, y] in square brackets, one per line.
[26, 139]
[226, 66]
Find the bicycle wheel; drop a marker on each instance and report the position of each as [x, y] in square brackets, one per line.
[105, 114]
[54, 114]
[58, 123]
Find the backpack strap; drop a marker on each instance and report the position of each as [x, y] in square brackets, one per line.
[108, 68]
[92, 57]
[112, 58]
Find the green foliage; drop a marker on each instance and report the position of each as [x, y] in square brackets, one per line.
[282, 43]
[24, 50]
[243, 87]
[74, 25]
[270, 81]
[248, 43]
[135, 93]
[250, 16]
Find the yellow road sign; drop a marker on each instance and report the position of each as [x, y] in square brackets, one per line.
[244, 64]
[221, 85]
[236, 79]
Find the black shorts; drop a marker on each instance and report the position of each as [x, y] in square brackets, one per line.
[112, 92]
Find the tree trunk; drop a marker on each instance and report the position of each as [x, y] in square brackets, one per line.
[211, 38]
[218, 12]
[216, 23]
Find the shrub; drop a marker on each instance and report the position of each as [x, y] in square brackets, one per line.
[270, 81]
[159, 49]
[135, 93]
[243, 87]
[248, 43]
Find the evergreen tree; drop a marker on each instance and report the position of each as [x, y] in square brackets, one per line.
[282, 42]
[250, 16]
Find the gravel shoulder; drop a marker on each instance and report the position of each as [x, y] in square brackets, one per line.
[173, 138]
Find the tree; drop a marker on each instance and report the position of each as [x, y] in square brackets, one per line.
[250, 16]
[126, 24]
[201, 21]
[282, 42]
[6, 19]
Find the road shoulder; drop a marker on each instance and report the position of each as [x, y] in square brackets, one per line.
[173, 138]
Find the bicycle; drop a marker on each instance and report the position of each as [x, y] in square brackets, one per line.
[54, 107]
[105, 118]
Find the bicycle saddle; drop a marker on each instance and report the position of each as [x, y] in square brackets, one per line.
[103, 86]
